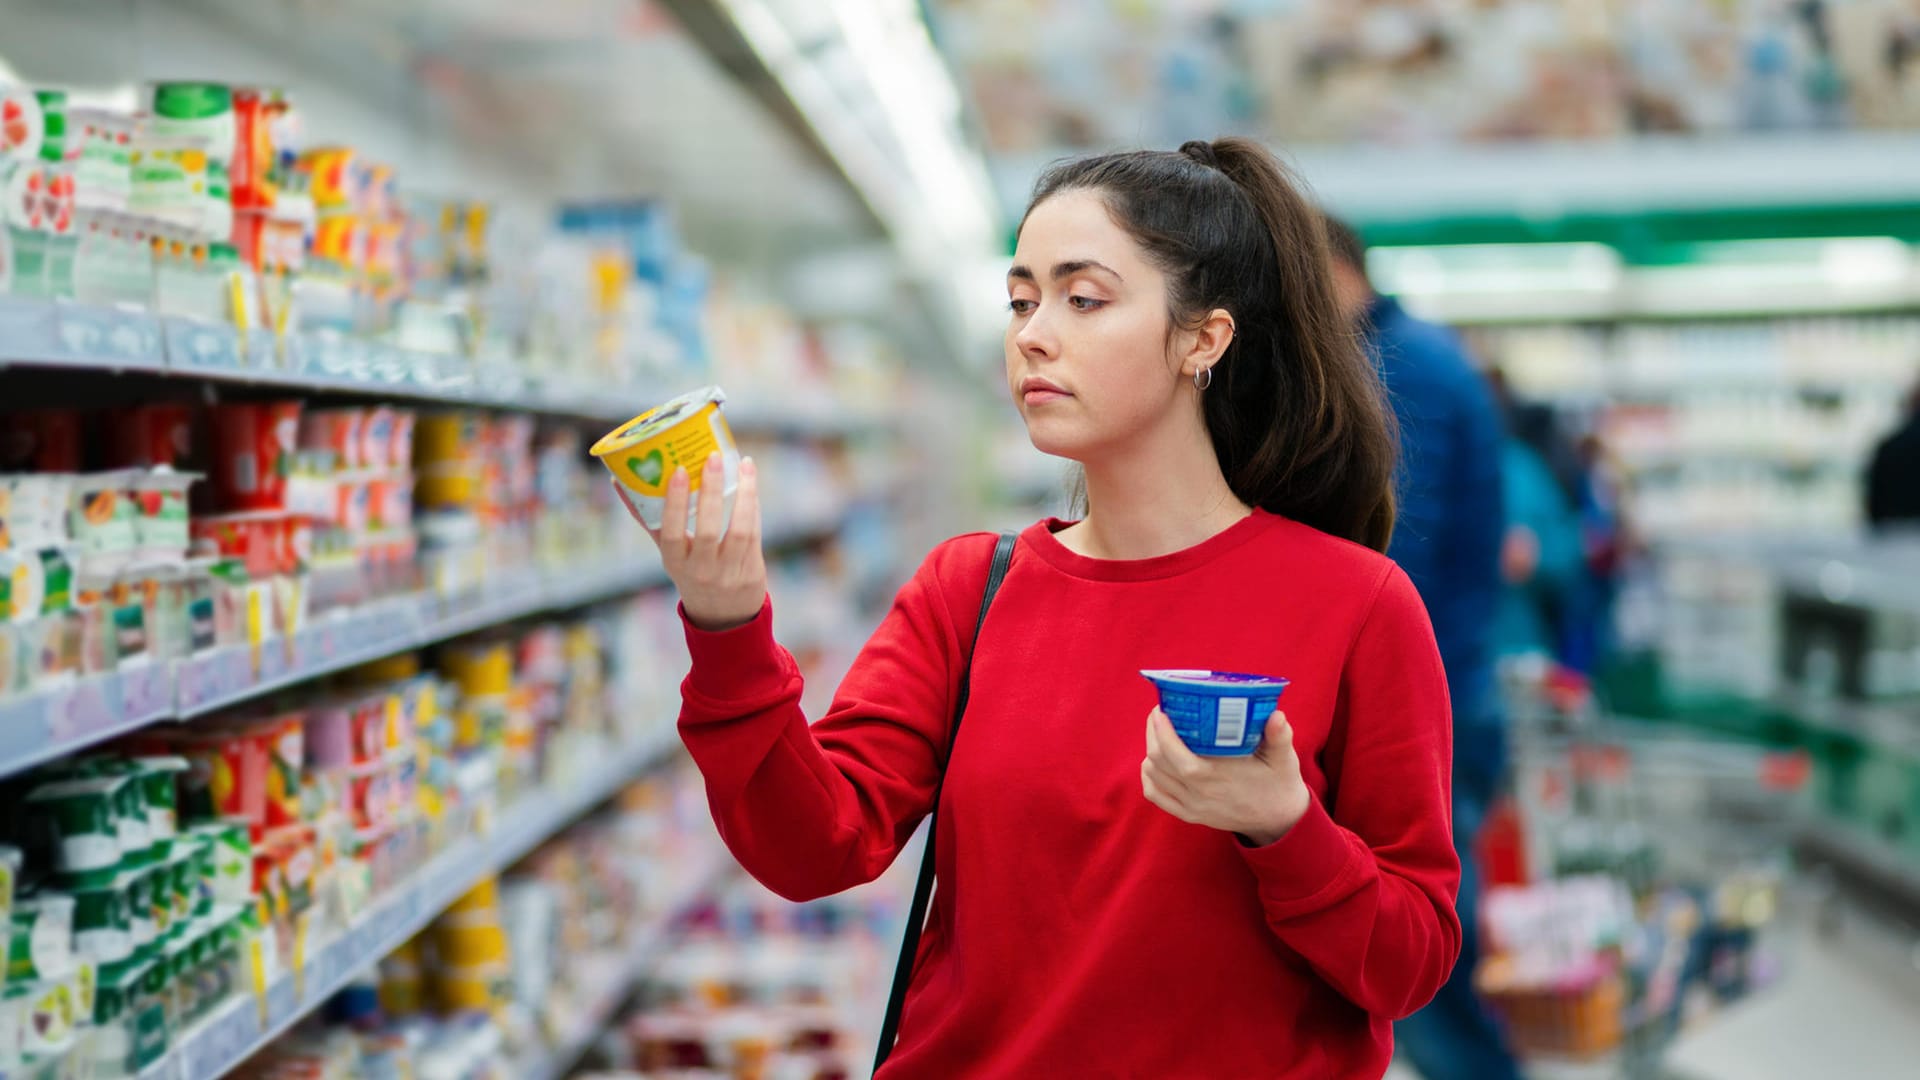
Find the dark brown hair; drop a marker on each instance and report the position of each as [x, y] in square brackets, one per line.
[1297, 415]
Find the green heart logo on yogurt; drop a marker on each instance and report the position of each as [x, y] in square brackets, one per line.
[650, 469]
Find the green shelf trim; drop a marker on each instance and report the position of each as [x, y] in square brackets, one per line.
[1656, 237]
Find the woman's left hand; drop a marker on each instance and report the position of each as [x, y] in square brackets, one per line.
[1259, 797]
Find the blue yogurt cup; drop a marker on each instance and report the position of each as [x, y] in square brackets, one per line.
[1218, 713]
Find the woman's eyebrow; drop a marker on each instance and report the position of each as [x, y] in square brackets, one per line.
[1064, 270]
[1075, 266]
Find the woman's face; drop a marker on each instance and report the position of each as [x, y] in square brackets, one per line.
[1087, 349]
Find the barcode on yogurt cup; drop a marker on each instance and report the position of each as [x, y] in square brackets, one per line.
[1231, 726]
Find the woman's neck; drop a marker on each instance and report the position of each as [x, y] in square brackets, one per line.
[1155, 497]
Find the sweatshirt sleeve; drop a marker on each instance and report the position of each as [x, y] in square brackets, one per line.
[810, 811]
[1363, 886]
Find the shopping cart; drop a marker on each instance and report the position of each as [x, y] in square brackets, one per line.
[1651, 875]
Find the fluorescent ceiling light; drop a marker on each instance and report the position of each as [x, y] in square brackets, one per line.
[928, 187]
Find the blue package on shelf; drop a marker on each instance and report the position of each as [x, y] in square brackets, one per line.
[683, 308]
[681, 280]
[645, 226]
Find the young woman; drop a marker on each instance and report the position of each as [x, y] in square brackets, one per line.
[1110, 904]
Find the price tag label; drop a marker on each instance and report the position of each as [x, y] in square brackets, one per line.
[192, 684]
[366, 630]
[29, 326]
[302, 923]
[88, 707]
[292, 603]
[257, 973]
[196, 345]
[273, 661]
[281, 317]
[240, 309]
[325, 643]
[94, 333]
[146, 690]
[256, 623]
[282, 1004]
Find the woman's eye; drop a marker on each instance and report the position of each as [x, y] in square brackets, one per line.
[1022, 307]
[1085, 303]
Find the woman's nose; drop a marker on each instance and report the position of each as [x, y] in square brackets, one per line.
[1036, 338]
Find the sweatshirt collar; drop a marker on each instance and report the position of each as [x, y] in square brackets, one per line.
[1041, 539]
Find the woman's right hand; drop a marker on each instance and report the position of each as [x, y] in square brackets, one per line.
[722, 578]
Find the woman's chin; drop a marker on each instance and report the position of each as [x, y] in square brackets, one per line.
[1050, 440]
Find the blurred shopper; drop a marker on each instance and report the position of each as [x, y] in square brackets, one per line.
[1588, 640]
[1571, 608]
[1541, 556]
[1893, 477]
[1111, 903]
[1448, 540]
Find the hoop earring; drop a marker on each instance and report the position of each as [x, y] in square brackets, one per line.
[1203, 378]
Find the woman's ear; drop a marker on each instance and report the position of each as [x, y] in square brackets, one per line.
[1209, 343]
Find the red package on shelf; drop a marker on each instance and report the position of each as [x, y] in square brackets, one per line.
[257, 539]
[148, 435]
[338, 430]
[41, 440]
[253, 446]
[226, 777]
[284, 741]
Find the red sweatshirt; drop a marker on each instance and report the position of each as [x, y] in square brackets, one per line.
[1078, 930]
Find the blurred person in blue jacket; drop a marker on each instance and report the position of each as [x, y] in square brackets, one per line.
[1562, 549]
[1543, 557]
[1587, 643]
[1448, 536]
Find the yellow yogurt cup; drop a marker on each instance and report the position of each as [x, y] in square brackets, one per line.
[643, 452]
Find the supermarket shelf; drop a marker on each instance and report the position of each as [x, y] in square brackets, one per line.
[229, 676]
[62, 720]
[235, 1032]
[76, 337]
[48, 724]
[71, 336]
[58, 721]
[649, 945]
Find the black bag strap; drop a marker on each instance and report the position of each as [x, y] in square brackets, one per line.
[923, 888]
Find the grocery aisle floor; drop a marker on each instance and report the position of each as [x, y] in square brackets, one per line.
[1848, 1006]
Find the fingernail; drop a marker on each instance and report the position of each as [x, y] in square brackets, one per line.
[713, 461]
[748, 468]
[679, 475]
